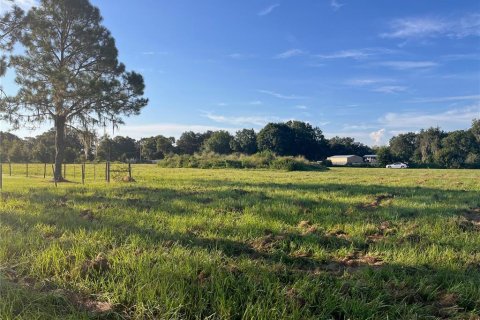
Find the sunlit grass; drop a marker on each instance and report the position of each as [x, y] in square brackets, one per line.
[251, 244]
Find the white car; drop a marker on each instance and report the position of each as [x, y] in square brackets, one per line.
[397, 165]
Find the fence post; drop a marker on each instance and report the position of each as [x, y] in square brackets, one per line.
[108, 172]
[26, 164]
[74, 171]
[10, 168]
[94, 172]
[83, 173]
[129, 171]
[44, 170]
[54, 176]
[1, 175]
[65, 170]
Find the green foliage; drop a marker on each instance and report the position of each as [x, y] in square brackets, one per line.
[263, 160]
[219, 142]
[384, 156]
[245, 141]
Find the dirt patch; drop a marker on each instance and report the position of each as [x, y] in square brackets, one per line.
[357, 259]
[127, 179]
[385, 229]
[268, 242]
[307, 227]
[377, 201]
[99, 264]
[446, 306]
[87, 214]
[293, 295]
[87, 303]
[470, 220]
[203, 277]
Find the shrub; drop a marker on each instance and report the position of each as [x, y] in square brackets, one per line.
[261, 160]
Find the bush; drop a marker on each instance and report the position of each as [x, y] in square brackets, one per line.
[261, 160]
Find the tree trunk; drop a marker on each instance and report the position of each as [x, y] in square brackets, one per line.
[59, 146]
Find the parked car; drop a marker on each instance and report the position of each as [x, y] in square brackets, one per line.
[397, 165]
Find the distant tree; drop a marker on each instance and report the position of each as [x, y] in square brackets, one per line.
[307, 140]
[429, 145]
[347, 145]
[67, 71]
[276, 137]
[164, 146]
[124, 149]
[245, 141]
[218, 142]
[475, 129]
[456, 147]
[403, 146]
[191, 142]
[106, 149]
[148, 148]
[17, 152]
[43, 147]
[384, 156]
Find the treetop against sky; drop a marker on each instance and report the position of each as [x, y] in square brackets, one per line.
[369, 71]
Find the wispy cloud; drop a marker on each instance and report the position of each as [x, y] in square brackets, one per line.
[336, 5]
[405, 65]
[355, 53]
[268, 9]
[431, 27]
[240, 56]
[445, 99]
[390, 89]
[420, 120]
[152, 53]
[360, 82]
[241, 120]
[289, 54]
[255, 103]
[281, 96]
[301, 107]
[6, 5]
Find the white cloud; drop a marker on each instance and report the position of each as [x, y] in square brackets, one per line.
[301, 107]
[281, 96]
[404, 65]
[360, 82]
[445, 99]
[449, 119]
[431, 27]
[289, 54]
[336, 5]
[240, 56]
[390, 89]
[6, 5]
[355, 53]
[268, 9]
[241, 120]
[222, 104]
[377, 136]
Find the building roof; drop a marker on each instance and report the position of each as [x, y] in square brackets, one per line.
[344, 156]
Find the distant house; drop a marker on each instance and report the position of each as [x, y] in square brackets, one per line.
[343, 160]
[370, 158]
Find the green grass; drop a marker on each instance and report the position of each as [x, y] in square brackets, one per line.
[348, 243]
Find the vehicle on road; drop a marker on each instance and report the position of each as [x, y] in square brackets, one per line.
[397, 165]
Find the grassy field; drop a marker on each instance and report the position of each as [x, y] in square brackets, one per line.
[243, 244]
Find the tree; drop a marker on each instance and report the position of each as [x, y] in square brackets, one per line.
[429, 145]
[218, 142]
[403, 146]
[276, 137]
[124, 149]
[43, 147]
[456, 147]
[68, 72]
[307, 141]
[164, 146]
[384, 156]
[245, 141]
[191, 142]
[347, 145]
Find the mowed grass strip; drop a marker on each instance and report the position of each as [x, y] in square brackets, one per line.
[243, 244]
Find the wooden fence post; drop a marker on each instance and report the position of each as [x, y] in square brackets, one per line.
[44, 171]
[10, 168]
[129, 171]
[83, 173]
[74, 171]
[26, 164]
[54, 176]
[94, 172]
[65, 170]
[108, 172]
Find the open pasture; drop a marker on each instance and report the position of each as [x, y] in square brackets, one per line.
[348, 243]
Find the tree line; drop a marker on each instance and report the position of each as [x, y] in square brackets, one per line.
[430, 147]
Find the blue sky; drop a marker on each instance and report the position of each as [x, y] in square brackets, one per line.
[366, 69]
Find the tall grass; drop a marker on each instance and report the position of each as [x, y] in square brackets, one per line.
[262, 160]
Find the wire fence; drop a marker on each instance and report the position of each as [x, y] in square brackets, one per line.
[75, 172]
